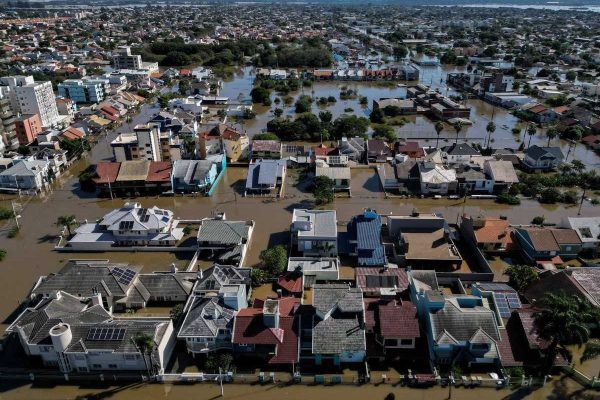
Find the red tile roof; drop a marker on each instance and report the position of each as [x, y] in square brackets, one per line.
[250, 329]
[110, 110]
[72, 133]
[325, 151]
[494, 230]
[159, 171]
[399, 320]
[291, 282]
[107, 172]
[363, 272]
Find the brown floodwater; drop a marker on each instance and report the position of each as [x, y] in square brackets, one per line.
[557, 389]
[419, 127]
[31, 253]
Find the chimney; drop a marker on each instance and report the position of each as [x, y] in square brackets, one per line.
[96, 299]
[173, 268]
[279, 293]
[271, 313]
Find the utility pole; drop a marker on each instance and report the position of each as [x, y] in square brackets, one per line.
[582, 199]
[16, 208]
[221, 381]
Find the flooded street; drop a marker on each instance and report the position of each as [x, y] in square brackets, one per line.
[558, 389]
[418, 127]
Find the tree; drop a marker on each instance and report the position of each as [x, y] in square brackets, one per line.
[439, 127]
[578, 166]
[303, 104]
[520, 276]
[551, 133]
[564, 319]
[265, 136]
[384, 132]
[145, 345]
[458, 125]
[325, 117]
[571, 75]
[260, 95]
[350, 125]
[278, 112]
[67, 221]
[324, 191]
[377, 116]
[176, 312]
[549, 195]
[490, 128]
[258, 277]
[592, 351]
[531, 131]
[2, 254]
[539, 220]
[184, 87]
[24, 150]
[274, 260]
[216, 362]
[400, 52]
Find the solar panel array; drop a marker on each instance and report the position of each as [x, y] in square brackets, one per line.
[505, 302]
[143, 214]
[106, 334]
[502, 305]
[125, 225]
[123, 275]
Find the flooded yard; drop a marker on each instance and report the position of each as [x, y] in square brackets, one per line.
[31, 254]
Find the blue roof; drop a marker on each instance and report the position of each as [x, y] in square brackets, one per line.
[366, 230]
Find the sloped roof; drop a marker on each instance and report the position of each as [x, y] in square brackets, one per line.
[159, 171]
[399, 320]
[205, 317]
[222, 231]
[462, 322]
[133, 171]
[107, 172]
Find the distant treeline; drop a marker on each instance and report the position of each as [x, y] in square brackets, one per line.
[309, 53]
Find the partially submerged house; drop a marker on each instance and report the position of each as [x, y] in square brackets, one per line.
[225, 241]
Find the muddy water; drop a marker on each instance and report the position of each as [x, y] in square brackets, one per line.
[419, 127]
[559, 389]
[31, 253]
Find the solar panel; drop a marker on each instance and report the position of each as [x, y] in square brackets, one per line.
[106, 334]
[513, 300]
[502, 305]
[123, 275]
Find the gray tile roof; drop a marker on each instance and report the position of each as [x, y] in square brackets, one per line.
[462, 323]
[82, 279]
[327, 297]
[337, 335]
[223, 232]
[168, 284]
[218, 276]
[205, 317]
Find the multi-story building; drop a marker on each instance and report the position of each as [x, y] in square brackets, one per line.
[30, 97]
[84, 90]
[123, 59]
[141, 144]
[8, 136]
[27, 127]
[314, 232]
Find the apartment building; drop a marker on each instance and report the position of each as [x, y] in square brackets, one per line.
[8, 136]
[30, 97]
[141, 144]
[84, 90]
[123, 59]
[27, 127]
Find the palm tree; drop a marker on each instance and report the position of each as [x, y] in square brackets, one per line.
[67, 221]
[551, 133]
[563, 319]
[531, 131]
[490, 128]
[439, 127]
[458, 125]
[578, 166]
[145, 345]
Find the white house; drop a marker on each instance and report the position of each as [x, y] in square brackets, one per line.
[314, 232]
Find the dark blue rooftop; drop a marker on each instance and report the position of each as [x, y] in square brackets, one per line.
[365, 229]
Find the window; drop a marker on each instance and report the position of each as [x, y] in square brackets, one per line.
[112, 366]
[406, 342]
[391, 342]
[97, 366]
[479, 346]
